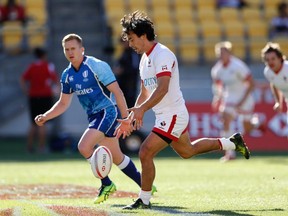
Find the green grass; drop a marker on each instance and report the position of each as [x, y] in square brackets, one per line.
[199, 186]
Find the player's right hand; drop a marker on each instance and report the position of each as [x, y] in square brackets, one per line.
[277, 107]
[40, 120]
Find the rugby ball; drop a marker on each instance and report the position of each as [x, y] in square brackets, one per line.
[101, 162]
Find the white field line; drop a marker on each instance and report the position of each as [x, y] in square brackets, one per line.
[40, 206]
[17, 211]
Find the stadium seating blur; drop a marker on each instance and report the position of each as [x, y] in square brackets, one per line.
[17, 37]
[192, 27]
[12, 34]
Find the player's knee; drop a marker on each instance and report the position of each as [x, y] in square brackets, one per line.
[144, 153]
[84, 151]
[187, 153]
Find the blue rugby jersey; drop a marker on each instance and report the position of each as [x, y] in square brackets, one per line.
[89, 84]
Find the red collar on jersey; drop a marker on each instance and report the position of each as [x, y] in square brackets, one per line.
[148, 53]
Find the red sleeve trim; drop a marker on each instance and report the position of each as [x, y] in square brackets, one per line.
[164, 73]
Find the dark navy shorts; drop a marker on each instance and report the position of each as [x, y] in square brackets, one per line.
[105, 120]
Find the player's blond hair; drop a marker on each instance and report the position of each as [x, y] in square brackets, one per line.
[223, 45]
[70, 37]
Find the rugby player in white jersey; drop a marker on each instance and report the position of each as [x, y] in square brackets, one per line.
[276, 72]
[232, 85]
[160, 91]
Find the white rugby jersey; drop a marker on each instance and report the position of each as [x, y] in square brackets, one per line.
[279, 80]
[232, 78]
[160, 61]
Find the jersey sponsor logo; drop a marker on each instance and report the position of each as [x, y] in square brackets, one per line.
[84, 91]
[78, 86]
[85, 75]
[150, 82]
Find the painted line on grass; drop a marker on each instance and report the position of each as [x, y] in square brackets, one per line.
[17, 211]
[41, 207]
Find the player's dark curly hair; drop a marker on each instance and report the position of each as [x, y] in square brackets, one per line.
[272, 47]
[139, 23]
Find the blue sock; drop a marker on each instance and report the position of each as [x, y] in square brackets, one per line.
[128, 167]
[106, 181]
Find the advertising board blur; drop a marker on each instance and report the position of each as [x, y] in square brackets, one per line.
[206, 123]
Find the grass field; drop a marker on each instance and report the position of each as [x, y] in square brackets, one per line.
[199, 186]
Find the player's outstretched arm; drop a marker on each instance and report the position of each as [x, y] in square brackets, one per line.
[57, 109]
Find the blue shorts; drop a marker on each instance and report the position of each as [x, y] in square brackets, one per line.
[105, 120]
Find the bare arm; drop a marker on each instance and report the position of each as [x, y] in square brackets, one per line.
[120, 99]
[278, 97]
[125, 127]
[158, 93]
[251, 85]
[57, 109]
[217, 89]
[143, 95]
[151, 101]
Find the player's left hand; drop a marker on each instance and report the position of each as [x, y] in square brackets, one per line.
[124, 129]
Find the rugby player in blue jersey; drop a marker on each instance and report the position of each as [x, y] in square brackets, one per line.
[94, 83]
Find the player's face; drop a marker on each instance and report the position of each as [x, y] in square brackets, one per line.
[73, 52]
[136, 43]
[224, 55]
[273, 61]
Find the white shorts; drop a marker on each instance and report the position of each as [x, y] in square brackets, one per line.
[172, 125]
[245, 111]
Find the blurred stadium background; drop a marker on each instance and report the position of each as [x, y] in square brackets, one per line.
[190, 28]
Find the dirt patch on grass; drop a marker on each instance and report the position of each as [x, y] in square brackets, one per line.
[76, 211]
[56, 191]
[6, 212]
[53, 191]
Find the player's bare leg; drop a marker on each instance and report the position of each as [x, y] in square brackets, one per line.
[151, 146]
[88, 141]
[186, 149]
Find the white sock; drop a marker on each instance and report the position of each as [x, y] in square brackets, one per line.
[145, 196]
[124, 163]
[227, 144]
[230, 153]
